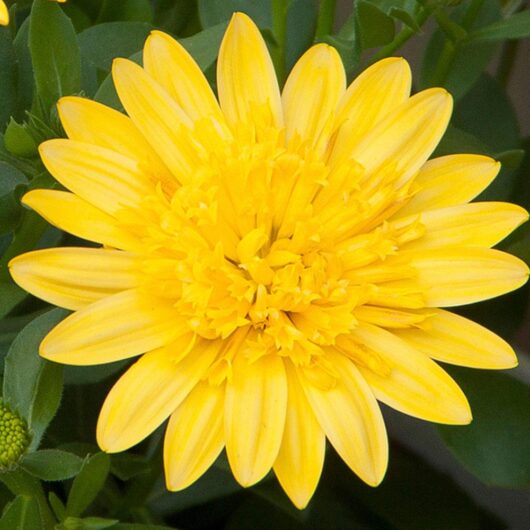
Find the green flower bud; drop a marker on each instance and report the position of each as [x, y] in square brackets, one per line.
[14, 437]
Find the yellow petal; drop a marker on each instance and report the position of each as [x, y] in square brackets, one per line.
[255, 407]
[194, 436]
[162, 122]
[406, 137]
[453, 339]
[246, 81]
[457, 276]
[4, 14]
[352, 420]
[413, 384]
[94, 123]
[149, 392]
[481, 224]
[107, 180]
[117, 327]
[378, 90]
[173, 68]
[301, 457]
[72, 214]
[75, 277]
[312, 93]
[449, 181]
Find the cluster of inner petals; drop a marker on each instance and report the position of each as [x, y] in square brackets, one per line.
[280, 249]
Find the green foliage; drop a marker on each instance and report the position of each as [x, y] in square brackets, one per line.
[52, 464]
[88, 484]
[21, 514]
[496, 445]
[54, 52]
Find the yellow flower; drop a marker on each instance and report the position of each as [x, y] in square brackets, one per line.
[4, 13]
[277, 260]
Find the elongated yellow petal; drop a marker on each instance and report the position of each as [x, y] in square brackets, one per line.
[173, 68]
[311, 95]
[75, 277]
[107, 180]
[73, 214]
[91, 122]
[117, 327]
[453, 339]
[351, 419]
[194, 436]
[449, 181]
[4, 14]
[406, 137]
[481, 224]
[162, 122]
[301, 457]
[377, 91]
[246, 81]
[413, 384]
[458, 276]
[255, 408]
[149, 392]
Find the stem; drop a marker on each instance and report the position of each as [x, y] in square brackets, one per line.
[279, 29]
[20, 483]
[450, 48]
[401, 38]
[326, 17]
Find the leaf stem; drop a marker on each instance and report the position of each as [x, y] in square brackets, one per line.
[401, 38]
[326, 17]
[450, 47]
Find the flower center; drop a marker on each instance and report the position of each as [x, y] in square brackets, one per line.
[274, 240]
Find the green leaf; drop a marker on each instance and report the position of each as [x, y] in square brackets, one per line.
[19, 141]
[57, 506]
[9, 328]
[402, 10]
[87, 523]
[12, 183]
[487, 112]
[88, 484]
[47, 400]
[24, 70]
[470, 59]
[54, 52]
[52, 464]
[376, 27]
[212, 12]
[10, 296]
[100, 44]
[204, 46]
[24, 366]
[496, 445]
[8, 95]
[21, 514]
[515, 27]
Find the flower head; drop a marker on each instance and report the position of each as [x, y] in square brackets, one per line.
[14, 437]
[278, 260]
